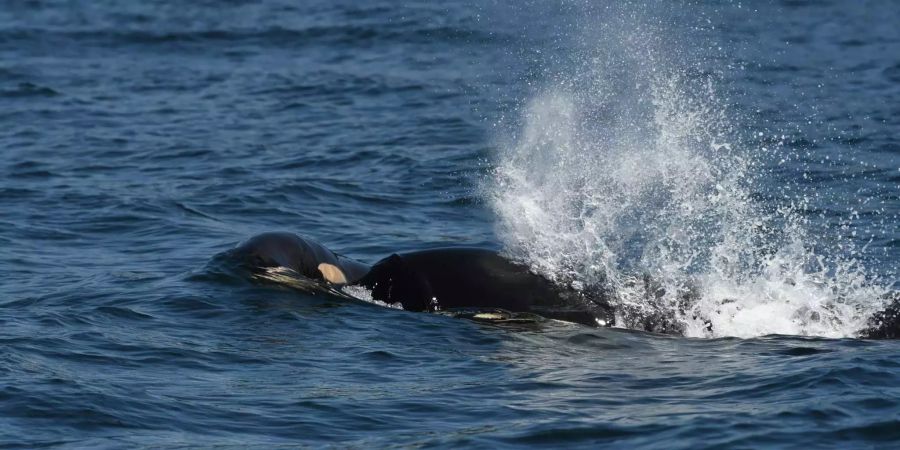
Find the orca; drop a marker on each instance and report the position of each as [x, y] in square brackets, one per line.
[462, 279]
[465, 278]
[885, 324]
[440, 279]
[304, 256]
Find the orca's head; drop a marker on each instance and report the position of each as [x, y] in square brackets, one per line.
[300, 254]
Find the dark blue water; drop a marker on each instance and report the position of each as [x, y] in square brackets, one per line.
[139, 139]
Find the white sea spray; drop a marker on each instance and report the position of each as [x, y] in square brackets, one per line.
[628, 169]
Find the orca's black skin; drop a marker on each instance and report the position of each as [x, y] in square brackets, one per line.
[885, 324]
[465, 278]
[458, 278]
[431, 280]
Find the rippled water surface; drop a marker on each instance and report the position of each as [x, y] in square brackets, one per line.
[750, 151]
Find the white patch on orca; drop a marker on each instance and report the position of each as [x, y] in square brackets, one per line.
[332, 273]
[489, 316]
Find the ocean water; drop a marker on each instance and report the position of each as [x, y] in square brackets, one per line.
[744, 153]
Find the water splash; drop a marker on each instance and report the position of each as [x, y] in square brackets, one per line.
[629, 171]
[292, 279]
[358, 292]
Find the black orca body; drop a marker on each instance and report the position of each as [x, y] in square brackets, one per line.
[430, 280]
[445, 279]
[885, 324]
[459, 278]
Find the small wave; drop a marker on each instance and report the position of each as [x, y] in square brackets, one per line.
[893, 73]
[29, 90]
[123, 313]
[337, 34]
[289, 278]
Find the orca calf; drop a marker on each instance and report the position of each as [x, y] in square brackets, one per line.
[461, 278]
[304, 256]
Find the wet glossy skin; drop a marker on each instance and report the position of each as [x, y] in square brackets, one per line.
[452, 278]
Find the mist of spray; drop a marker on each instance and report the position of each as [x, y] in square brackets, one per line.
[628, 171]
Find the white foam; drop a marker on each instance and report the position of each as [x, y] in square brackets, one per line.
[619, 173]
[290, 278]
[363, 294]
